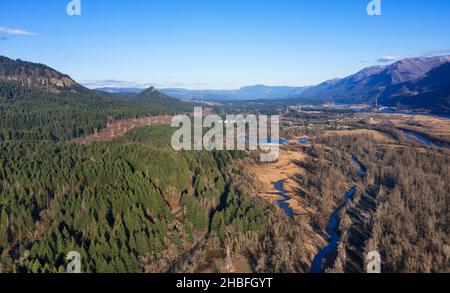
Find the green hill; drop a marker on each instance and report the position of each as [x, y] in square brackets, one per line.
[131, 205]
[154, 98]
[40, 103]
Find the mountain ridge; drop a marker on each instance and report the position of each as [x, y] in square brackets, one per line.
[369, 84]
[432, 91]
[42, 77]
[35, 75]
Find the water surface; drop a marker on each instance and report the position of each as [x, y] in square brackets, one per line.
[282, 203]
[325, 258]
[303, 141]
[411, 136]
[267, 141]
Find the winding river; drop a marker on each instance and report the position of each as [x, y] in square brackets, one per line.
[327, 255]
[325, 258]
[412, 136]
[282, 203]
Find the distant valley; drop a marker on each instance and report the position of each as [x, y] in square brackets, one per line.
[245, 93]
[416, 83]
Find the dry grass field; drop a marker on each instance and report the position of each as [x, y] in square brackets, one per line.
[284, 169]
[378, 136]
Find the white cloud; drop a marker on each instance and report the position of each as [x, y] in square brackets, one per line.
[387, 59]
[15, 32]
[63, 55]
[438, 52]
[363, 60]
[112, 83]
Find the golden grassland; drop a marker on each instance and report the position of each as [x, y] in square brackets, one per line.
[433, 126]
[284, 169]
[377, 135]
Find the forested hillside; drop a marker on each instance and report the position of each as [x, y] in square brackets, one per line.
[130, 205]
[118, 204]
[153, 98]
[40, 103]
[36, 114]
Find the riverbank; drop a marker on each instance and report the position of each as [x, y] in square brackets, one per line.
[325, 259]
[286, 169]
[433, 128]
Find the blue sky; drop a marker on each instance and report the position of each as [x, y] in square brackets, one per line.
[220, 44]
